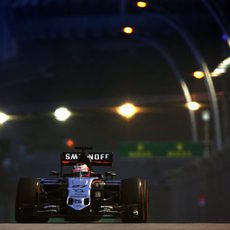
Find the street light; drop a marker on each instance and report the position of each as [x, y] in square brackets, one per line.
[221, 68]
[206, 118]
[205, 115]
[141, 4]
[62, 114]
[3, 118]
[198, 74]
[193, 105]
[128, 30]
[127, 110]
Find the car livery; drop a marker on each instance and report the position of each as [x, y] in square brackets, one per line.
[79, 192]
[82, 199]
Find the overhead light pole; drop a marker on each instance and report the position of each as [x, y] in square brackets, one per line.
[157, 46]
[225, 32]
[169, 20]
[215, 12]
[206, 118]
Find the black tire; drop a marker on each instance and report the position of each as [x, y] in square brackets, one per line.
[134, 197]
[146, 201]
[26, 199]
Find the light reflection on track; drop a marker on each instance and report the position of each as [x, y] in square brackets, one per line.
[115, 226]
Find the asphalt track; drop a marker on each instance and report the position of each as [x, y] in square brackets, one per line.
[115, 226]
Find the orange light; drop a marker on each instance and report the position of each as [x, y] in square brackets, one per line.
[141, 4]
[128, 30]
[198, 74]
[70, 143]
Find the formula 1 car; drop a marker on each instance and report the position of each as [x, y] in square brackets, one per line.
[80, 198]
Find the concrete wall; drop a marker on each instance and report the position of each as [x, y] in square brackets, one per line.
[208, 179]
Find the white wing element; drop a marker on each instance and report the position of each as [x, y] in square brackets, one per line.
[79, 190]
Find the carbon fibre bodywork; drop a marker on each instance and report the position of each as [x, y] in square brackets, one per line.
[65, 197]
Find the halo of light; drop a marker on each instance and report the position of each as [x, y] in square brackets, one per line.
[3, 118]
[62, 114]
[128, 30]
[193, 105]
[141, 4]
[205, 115]
[70, 143]
[224, 37]
[127, 110]
[198, 74]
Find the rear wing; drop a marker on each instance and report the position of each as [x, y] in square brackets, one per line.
[91, 159]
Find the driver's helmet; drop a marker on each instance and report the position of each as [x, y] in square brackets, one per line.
[81, 170]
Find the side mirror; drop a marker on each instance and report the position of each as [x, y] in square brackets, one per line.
[54, 173]
[110, 173]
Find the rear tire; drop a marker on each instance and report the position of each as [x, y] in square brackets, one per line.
[134, 196]
[146, 201]
[26, 199]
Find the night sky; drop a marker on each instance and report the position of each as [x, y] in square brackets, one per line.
[74, 53]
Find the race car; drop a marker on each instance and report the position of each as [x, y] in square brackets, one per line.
[79, 194]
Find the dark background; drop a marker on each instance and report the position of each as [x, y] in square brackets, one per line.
[74, 54]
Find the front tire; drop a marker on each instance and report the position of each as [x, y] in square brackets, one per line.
[26, 199]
